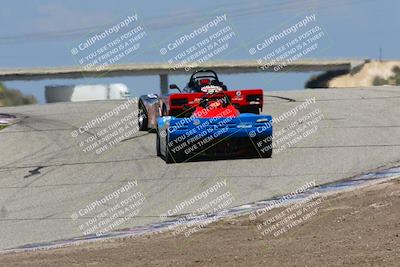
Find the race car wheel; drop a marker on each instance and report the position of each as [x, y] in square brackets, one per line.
[158, 145]
[170, 156]
[142, 118]
[265, 151]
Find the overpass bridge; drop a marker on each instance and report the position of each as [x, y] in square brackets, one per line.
[165, 69]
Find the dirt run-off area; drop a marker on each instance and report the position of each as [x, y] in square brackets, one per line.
[353, 228]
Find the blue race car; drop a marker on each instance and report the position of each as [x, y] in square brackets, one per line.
[215, 128]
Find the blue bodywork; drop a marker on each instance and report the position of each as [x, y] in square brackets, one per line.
[190, 136]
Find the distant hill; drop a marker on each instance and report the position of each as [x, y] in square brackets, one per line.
[373, 73]
[13, 97]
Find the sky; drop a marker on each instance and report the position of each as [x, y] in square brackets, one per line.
[42, 33]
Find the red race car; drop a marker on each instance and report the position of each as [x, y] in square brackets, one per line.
[183, 104]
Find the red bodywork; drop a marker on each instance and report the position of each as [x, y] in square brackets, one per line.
[216, 112]
[244, 100]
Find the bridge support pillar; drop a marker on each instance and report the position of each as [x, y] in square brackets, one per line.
[164, 83]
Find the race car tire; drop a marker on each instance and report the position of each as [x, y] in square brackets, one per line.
[142, 118]
[158, 145]
[265, 151]
[170, 156]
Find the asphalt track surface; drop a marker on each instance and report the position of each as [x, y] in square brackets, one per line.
[45, 176]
